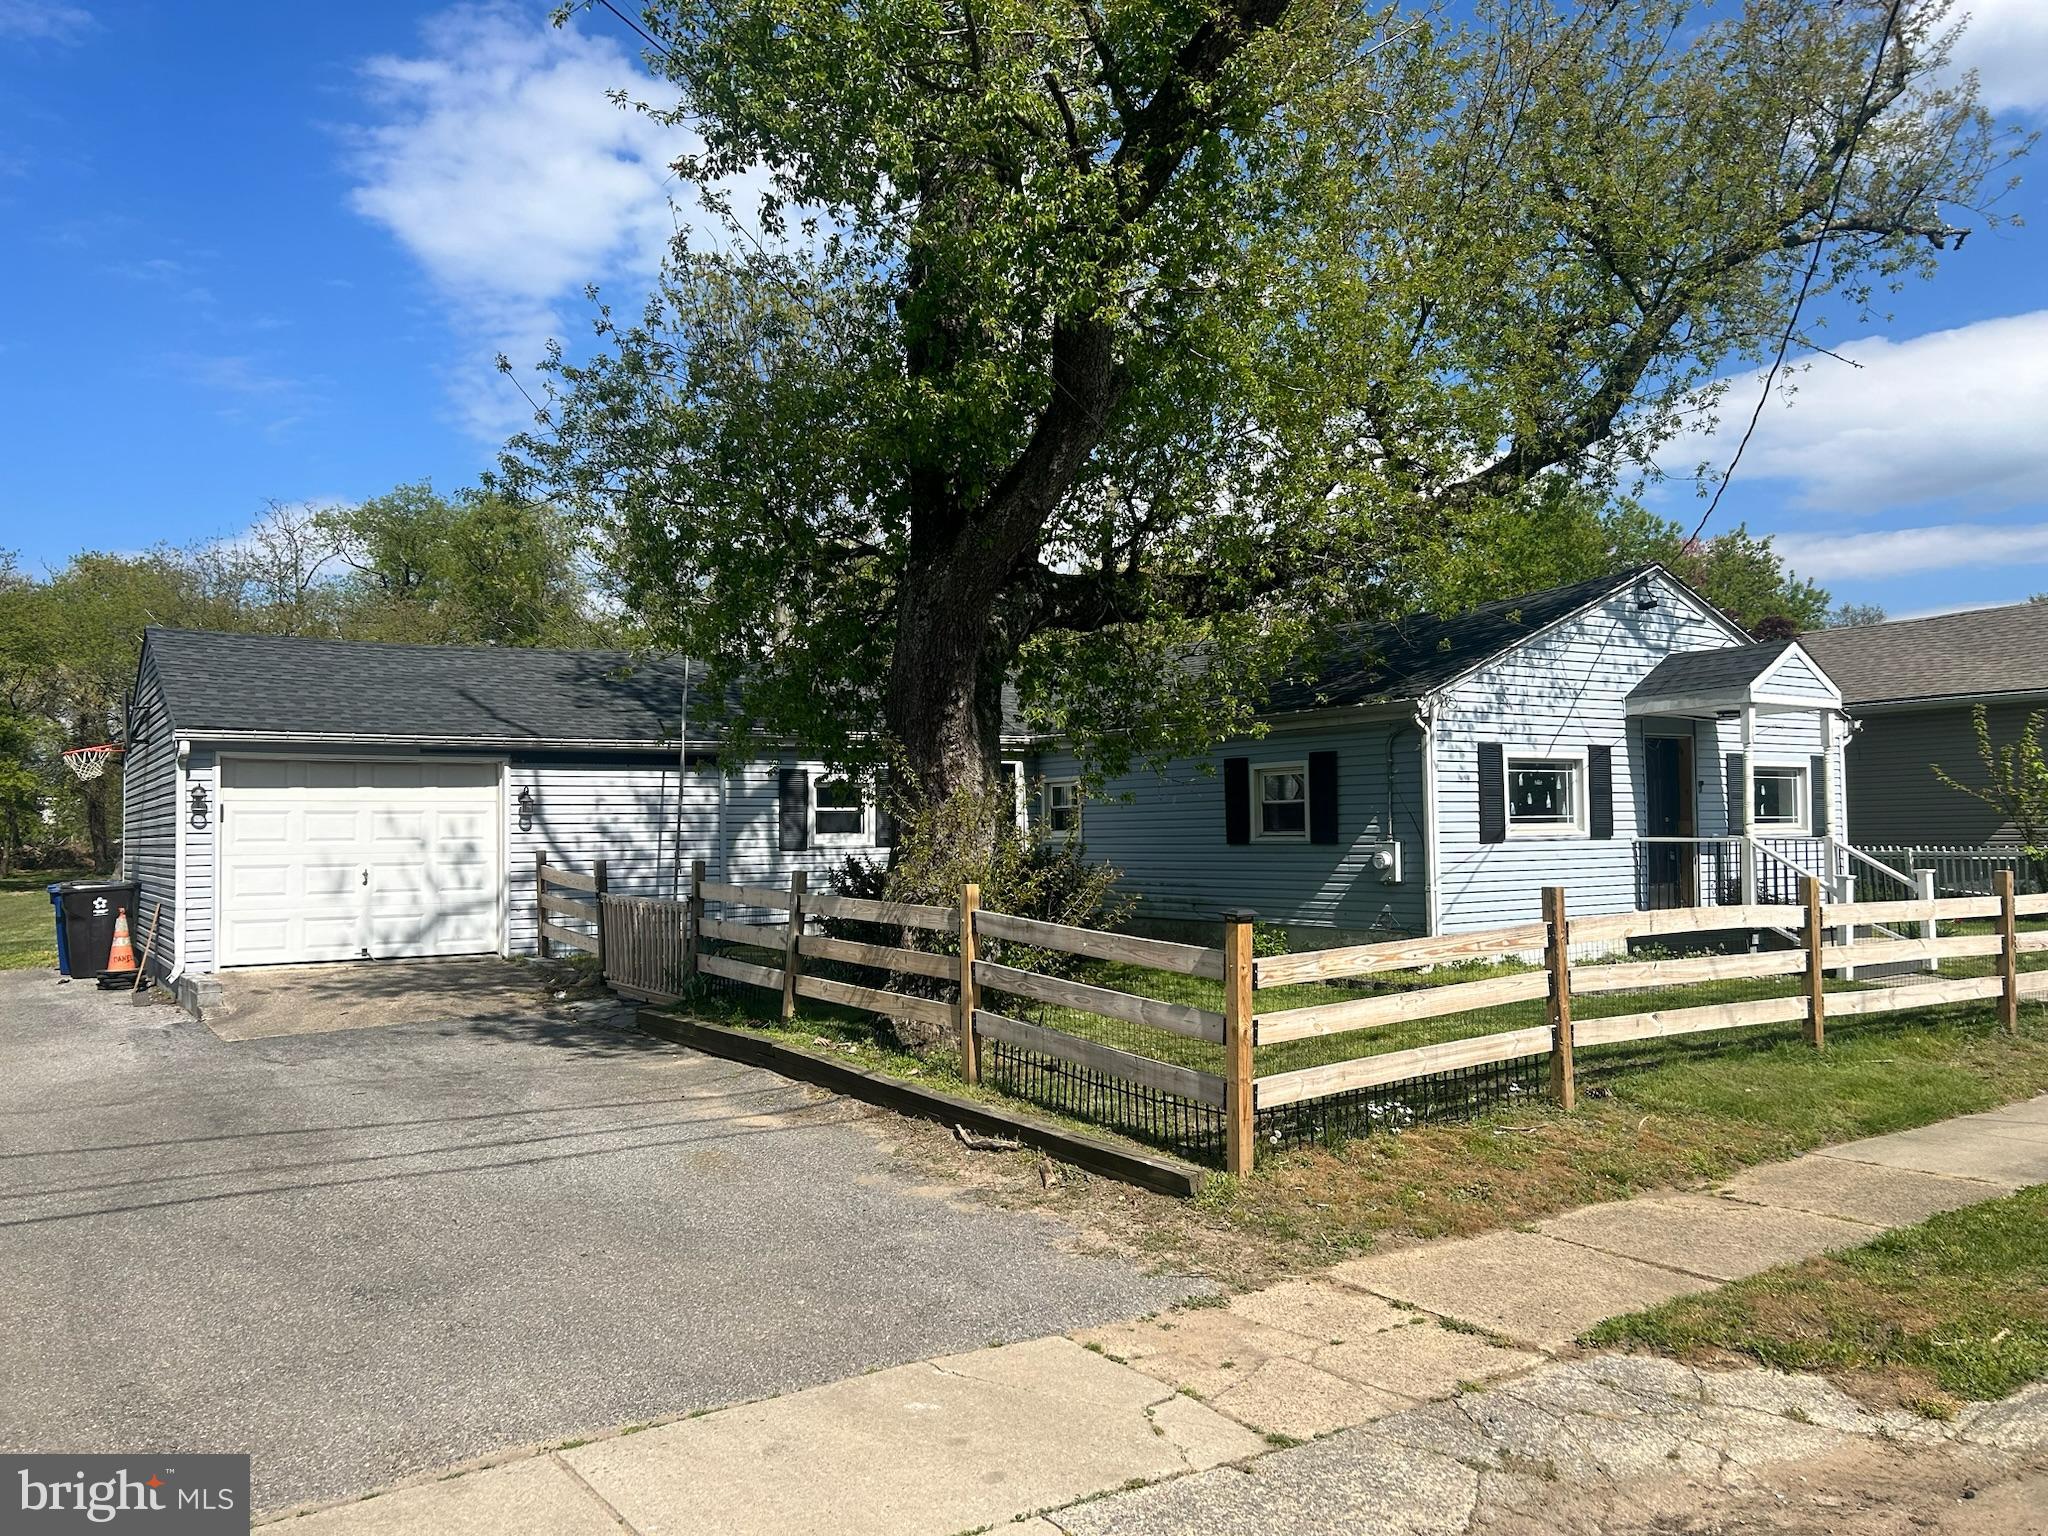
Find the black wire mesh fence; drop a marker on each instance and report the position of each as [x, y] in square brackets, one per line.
[1195, 1131]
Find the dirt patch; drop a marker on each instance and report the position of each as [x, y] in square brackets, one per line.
[1875, 1488]
[266, 1002]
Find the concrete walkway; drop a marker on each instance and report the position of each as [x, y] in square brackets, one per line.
[1423, 1337]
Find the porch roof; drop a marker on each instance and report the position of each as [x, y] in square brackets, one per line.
[1770, 678]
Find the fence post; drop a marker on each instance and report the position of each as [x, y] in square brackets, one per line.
[540, 913]
[1816, 976]
[597, 906]
[2008, 950]
[970, 1052]
[1240, 1125]
[1557, 955]
[693, 913]
[791, 961]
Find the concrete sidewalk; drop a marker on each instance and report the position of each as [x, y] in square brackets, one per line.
[1030, 1429]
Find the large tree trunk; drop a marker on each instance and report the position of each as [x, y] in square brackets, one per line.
[944, 702]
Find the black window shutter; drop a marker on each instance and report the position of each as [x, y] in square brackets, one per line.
[1600, 790]
[1817, 787]
[1237, 800]
[1322, 797]
[1493, 793]
[1738, 813]
[794, 794]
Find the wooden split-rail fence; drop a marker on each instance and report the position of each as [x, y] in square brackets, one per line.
[652, 948]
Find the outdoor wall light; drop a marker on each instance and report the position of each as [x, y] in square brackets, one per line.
[1646, 597]
[527, 806]
[198, 803]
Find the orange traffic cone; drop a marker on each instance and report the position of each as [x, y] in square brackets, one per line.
[121, 953]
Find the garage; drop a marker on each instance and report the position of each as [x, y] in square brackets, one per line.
[336, 859]
[291, 799]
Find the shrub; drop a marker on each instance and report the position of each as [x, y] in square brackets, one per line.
[974, 839]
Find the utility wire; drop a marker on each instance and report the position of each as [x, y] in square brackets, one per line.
[1891, 22]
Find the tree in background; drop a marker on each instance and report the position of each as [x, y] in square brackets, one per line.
[1856, 615]
[1561, 531]
[411, 565]
[2015, 783]
[67, 660]
[474, 568]
[1069, 336]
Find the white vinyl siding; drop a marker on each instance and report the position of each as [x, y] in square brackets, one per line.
[1795, 677]
[1791, 739]
[1556, 695]
[621, 811]
[202, 768]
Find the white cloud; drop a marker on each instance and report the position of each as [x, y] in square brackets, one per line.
[1951, 415]
[1909, 551]
[503, 168]
[2006, 42]
[37, 21]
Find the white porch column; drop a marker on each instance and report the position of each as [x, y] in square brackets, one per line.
[1748, 811]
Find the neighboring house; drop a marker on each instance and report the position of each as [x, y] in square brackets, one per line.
[1440, 772]
[292, 799]
[1912, 685]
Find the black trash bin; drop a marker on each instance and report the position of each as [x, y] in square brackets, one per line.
[91, 908]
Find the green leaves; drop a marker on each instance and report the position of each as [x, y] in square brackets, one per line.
[2015, 778]
[1071, 339]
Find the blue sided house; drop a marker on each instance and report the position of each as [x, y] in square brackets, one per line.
[290, 799]
[1619, 737]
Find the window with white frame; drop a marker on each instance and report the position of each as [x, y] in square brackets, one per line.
[839, 813]
[1780, 798]
[1546, 796]
[1280, 802]
[1063, 807]
[1010, 775]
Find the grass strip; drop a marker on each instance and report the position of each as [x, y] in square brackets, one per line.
[1955, 1307]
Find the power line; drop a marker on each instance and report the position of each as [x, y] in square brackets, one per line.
[1891, 22]
[644, 35]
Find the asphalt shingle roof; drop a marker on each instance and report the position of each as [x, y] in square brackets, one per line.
[1699, 672]
[1407, 658]
[1951, 655]
[287, 686]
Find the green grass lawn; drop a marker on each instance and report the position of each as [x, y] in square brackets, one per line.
[1956, 1307]
[28, 928]
[1652, 1114]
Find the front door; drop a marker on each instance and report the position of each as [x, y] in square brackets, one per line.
[1668, 868]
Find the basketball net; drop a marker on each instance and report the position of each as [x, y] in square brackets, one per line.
[88, 763]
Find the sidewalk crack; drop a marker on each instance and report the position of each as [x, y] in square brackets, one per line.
[602, 1502]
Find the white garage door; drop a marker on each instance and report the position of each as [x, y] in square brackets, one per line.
[327, 860]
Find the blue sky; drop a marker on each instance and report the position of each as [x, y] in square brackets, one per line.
[265, 251]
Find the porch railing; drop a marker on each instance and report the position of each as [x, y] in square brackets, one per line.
[1964, 870]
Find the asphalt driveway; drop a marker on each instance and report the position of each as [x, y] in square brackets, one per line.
[360, 1254]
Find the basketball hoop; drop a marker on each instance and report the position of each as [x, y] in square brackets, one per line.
[88, 763]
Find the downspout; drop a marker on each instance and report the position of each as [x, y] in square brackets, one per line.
[181, 749]
[1425, 722]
